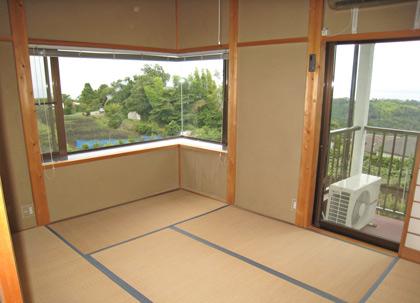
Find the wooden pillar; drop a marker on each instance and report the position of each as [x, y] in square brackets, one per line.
[232, 103]
[28, 111]
[177, 25]
[312, 117]
[9, 281]
[58, 108]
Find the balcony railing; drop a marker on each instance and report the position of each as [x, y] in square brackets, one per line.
[341, 144]
[388, 153]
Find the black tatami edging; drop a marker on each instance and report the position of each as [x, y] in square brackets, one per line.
[378, 282]
[156, 230]
[111, 275]
[260, 266]
[142, 298]
[102, 268]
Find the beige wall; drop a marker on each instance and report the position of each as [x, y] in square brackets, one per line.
[13, 163]
[204, 172]
[78, 189]
[374, 19]
[271, 90]
[198, 22]
[271, 95]
[133, 22]
[97, 21]
[272, 19]
[4, 19]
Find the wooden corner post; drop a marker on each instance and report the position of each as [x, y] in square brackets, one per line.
[9, 280]
[312, 117]
[28, 110]
[177, 25]
[232, 97]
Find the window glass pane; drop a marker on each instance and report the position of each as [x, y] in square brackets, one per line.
[395, 89]
[111, 102]
[47, 128]
[344, 55]
[202, 100]
[44, 106]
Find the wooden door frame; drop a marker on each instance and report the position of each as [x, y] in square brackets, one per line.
[313, 104]
[312, 116]
[405, 252]
[323, 151]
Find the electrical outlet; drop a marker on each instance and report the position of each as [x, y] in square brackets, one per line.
[27, 210]
[294, 202]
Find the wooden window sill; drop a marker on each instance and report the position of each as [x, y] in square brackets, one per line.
[121, 151]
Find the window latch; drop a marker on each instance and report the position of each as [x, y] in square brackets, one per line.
[312, 62]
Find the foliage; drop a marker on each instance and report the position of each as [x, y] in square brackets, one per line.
[148, 128]
[382, 166]
[173, 128]
[115, 115]
[69, 108]
[387, 113]
[103, 113]
[89, 100]
[395, 172]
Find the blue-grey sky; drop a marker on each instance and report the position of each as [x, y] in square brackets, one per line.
[75, 72]
[395, 74]
[396, 71]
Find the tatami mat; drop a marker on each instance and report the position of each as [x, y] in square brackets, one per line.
[342, 269]
[215, 254]
[402, 284]
[170, 267]
[95, 231]
[51, 272]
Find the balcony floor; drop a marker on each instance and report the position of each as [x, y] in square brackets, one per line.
[386, 228]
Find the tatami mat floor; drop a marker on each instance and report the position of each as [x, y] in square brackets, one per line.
[182, 247]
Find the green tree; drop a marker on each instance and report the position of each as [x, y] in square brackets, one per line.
[173, 128]
[203, 102]
[113, 112]
[162, 109]
[89, 100]
[104, 93]
[148, 128]
[68, 104]
[138, 99]
[387, 113]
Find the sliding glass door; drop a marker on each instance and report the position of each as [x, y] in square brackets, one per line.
[370, 127]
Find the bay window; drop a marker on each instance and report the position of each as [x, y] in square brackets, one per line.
[94, 99]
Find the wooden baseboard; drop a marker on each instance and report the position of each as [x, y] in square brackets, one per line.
[203, 194]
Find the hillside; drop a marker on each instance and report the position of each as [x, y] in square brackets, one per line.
[387, 113]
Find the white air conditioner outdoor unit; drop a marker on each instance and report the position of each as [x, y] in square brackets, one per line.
[352, 202]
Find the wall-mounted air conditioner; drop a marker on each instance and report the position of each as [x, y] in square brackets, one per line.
[352, 202]
[347, 4]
